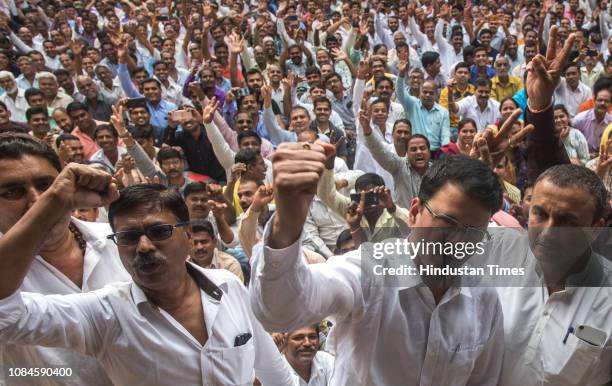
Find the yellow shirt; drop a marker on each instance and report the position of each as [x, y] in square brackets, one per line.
[607, 134]
[499, 92]
[470, 90]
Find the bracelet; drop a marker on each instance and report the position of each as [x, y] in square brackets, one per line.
[534, 111]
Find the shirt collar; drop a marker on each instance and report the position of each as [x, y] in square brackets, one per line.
[211, 285]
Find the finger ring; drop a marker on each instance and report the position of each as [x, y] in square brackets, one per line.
[306, 146]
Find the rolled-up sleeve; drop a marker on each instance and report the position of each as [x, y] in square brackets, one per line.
[287, 294]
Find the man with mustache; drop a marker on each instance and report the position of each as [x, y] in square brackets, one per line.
[204, 251]
[312, 366]
[480, 107]
[173, 323]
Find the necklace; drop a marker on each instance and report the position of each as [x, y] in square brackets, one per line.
[78, 237]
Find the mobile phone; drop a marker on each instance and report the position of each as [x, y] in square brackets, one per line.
[292, 18]
[135, 102]
[591, 52]
[242, 92]
[591, 335]
[163, 18]
[371, 198]
[181, 115]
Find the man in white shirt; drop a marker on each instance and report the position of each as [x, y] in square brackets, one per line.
[479, 107]
[571, 92]
[543, 318]
[417, 334]
[174, 323]
[74, 257]
[14, 97]
[312, 366]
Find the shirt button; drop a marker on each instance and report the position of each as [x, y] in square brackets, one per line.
[545, 313]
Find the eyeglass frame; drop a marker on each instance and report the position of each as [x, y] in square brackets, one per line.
[486, 236]
[113, 236]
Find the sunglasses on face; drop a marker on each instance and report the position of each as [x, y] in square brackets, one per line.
[154, 233]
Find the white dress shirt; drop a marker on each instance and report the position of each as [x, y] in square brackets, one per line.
[17, 106]
[139, 344]
[468, 108]
[572, 99]
[382, 335]
[101, 266]
[320, 372]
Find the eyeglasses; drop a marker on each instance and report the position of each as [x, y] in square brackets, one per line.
[466, 233]
[154, 233]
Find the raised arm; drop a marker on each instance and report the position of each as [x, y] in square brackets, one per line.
[77, 186]
[277, 135]
[224, 154]
[390, 161]
[285, 292]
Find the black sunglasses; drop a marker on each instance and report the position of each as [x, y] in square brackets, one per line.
[154, 233]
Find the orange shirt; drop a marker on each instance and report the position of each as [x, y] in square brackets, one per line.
[589, 104]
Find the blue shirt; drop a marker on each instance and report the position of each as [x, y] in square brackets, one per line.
[433, 123]
[159, 113]
[490, 72]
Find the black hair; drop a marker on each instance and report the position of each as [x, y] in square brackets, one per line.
[15, 145]
[485, 31]
[32, 91]
[462, 65]
[151, 196]
[604, 82]
[246, 156]
[416, 136]
[381, 78]
[204, 226]
[332, 75]
[157, 63]
[570, 175]
[137, 70]
[368, 179]
[106, 127]
[482, 82]
[471, 176]
[247, 178]
[562, 108]
[150, 80]
[321, 99]
[65, 137]
[402, 120]
[36, 110]
[75, 106]
[248, 134]
[167, 153]
[343, 237]
[429, 58]
[194, 187]
[464, 122]
[141, 132]
[312, 70]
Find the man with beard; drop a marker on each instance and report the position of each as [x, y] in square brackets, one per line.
[69, 149]
[571, 91]
[54, 97]
[479, 107]
[204, 250]
[70, 257]
[426, 116]
[14, 97]
[181, 322]
[301, 348]
[511, 52]
[248, 163]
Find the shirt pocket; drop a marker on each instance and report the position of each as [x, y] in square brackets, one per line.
[230, 366]
[572, 367]
[459, 364]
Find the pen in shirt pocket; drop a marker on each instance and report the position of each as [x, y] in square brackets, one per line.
[455, 351]
[570, 330]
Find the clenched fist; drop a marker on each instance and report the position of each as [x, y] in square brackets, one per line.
[297, 168]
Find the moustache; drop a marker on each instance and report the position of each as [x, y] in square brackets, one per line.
[306, 350]
[143, 259]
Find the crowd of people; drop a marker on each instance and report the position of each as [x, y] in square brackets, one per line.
[189, 191]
